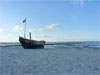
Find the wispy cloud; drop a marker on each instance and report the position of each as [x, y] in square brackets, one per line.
[78, 3]
[17, 28]
[52, 26]
[44, 28]
[1, 29]
[41, 29]
[45, 37]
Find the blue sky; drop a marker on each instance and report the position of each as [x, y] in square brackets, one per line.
[51, 20]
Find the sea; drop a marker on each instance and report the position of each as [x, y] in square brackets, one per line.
[57, 58]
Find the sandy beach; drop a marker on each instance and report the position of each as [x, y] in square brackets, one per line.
[49, 61]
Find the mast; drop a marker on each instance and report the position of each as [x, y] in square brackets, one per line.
[24, 21]
[30, 35]
[25, 30]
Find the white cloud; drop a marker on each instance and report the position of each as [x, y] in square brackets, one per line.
[17, 28]
[78, 3]
[1, 29]
[52, 26]
[45, 28]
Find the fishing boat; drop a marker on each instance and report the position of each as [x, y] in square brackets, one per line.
[29, 43]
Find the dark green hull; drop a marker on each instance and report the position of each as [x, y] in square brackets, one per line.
[31, 44]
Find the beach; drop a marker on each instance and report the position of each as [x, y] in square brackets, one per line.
[15, 60]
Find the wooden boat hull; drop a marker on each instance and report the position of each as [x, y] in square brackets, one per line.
[31, 44]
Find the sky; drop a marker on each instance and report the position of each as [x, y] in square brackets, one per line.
[50, 20]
